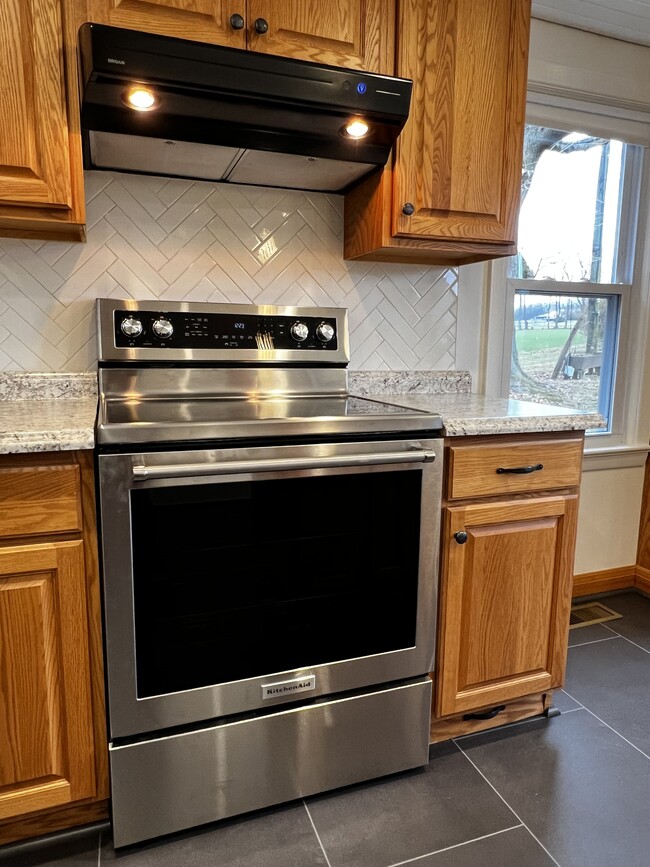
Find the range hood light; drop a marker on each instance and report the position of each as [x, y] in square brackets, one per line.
[141, 99]
[356, 128]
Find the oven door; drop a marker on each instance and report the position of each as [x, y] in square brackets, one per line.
[239, 579]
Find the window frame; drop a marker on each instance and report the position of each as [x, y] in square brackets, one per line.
[484, 336]
[615, 433]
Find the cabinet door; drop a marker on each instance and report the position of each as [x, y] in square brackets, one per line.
[505, 601]
[458, 159]
[45, 714]
[34, 151]
[203, 20]
[355, 33]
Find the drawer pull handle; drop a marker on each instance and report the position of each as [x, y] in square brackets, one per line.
[486, 714]
[520, 471]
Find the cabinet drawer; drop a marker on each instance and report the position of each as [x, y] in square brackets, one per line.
[473, 469]
[38, 500]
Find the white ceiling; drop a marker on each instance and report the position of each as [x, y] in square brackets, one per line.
[624, 19]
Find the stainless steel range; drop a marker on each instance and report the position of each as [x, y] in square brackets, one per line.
[270, 554]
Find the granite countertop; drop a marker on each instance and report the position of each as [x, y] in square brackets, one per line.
[56, 412]
[47, 412]
[463, 413]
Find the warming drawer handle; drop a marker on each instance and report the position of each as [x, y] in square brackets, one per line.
[143, 473]
[521, 470]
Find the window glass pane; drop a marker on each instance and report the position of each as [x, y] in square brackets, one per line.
[571, 193]
[564, 349]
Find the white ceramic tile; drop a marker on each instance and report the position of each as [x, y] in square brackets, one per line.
[154, 237]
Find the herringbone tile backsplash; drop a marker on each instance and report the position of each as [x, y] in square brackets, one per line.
[177, 240]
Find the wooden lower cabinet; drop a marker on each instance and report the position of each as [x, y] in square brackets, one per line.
[45, 718]
[52, 721]
[505, 592]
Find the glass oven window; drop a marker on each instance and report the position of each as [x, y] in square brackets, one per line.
[242, 579]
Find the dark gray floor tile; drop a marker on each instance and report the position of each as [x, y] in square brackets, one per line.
[408, 815]
[584, 634]
[515, 848]
[612, 679]
[76, 850]
[635, 622]
[580, 788]
[564, 702]
[281, 837]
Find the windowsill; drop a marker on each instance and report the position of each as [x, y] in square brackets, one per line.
[614, 456]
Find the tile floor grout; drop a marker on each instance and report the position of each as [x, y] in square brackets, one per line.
[456, 846]
[514, 813]
[629, 640]
[595, 641]
[611, 728]
[320, 842]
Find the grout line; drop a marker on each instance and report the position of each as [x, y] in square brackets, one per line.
[99, 849]
[629, 640]
[455, 846]
[596, 641]
[320, 842]
[595, 716]
[514, 813]
[572, 709]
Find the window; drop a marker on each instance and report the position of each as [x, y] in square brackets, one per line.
[571, 279]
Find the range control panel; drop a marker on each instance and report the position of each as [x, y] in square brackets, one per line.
[189, 330]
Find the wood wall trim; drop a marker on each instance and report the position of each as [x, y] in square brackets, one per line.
[605, 580]
[642, 580]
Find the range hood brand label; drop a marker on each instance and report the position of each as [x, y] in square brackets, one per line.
[288, 687]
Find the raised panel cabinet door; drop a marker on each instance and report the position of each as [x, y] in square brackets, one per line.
[202, 20]
[34, 149]
[458, 159]
[47, 756]
[505, 601]
[359, 34]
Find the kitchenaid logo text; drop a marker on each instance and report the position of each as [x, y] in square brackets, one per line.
[302, 684]
[119, 62]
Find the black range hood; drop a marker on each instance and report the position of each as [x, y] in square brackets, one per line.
[227, 114]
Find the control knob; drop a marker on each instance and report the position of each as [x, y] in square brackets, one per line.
[299, 331]
[325, 332]
[131, 327]
[162, 328]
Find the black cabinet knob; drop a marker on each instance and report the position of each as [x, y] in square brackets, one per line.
[236, 21]
[261, 25]
[408, 209]
[460, 537]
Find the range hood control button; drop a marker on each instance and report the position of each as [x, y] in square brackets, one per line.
[131, 327]
[299, 331]
[163, 328]
[325, 332]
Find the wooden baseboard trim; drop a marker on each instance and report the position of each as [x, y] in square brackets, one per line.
[642, 580]
[605, 580]
[47, 822]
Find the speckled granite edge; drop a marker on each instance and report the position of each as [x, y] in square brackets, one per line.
[457, 427]
[365, 382]
[47, 386]
[22, 442]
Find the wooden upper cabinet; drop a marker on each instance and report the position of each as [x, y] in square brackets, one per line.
[36, 170]
[452, 193]
[46, 732]
[355, 33]
[202, 20]
[359, 34]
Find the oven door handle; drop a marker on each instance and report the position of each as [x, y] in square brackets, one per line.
[143, 473]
